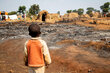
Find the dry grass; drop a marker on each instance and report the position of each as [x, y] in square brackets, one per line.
[65, 42]
[98, 45]
[95, 26]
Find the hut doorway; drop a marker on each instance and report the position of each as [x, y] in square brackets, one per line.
[43, 17]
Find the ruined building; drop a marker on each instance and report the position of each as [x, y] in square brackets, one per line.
[44, 16]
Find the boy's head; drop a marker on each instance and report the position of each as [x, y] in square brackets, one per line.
[34, 30]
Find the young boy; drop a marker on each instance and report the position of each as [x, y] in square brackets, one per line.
[36, 51]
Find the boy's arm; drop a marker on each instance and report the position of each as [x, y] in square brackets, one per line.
[25, 54]
[46, 53]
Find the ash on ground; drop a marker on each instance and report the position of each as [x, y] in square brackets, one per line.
[53, 33]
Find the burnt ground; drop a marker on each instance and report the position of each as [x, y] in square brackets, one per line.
[74, 48]
[53, 33]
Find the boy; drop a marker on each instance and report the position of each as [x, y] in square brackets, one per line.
[36, 51]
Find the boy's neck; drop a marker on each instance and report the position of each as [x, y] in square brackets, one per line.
[38, 37]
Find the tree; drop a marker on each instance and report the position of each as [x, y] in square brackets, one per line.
[22, 9]
[80, 11]
[95, 10]
[69, 11]
[58, 12]
[105, 8]
[28, 14]
[34, 9]
[12, 13]
[75, 10]
[89, 11]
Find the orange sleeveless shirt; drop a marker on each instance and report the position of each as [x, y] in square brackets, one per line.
[35, 54]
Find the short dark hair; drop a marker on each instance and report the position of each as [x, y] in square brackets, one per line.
[34, 30]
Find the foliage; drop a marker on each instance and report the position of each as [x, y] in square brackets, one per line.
[12, 13]
[28, 14]
[58, 12]
[89, 11]
[105, 8]
[69, 11]
[80, 11]
[75, 10]
[34, 9]
[95, 10]
[22, 9]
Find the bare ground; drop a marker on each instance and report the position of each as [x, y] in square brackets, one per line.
[73, 48]
[69, 59]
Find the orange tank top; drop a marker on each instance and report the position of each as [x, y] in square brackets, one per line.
[35, 54]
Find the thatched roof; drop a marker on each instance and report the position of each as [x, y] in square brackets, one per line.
[85, 15]
[71, 15]
[96, 14]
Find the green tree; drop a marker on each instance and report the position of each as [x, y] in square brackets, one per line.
[89, 11]
[22, 9]
[58, 12]
[12, 13]
[75, 10]
[69, 11]
[95, 10]
[28, 14]
[34, 9]
[105, 8]
[80, 11]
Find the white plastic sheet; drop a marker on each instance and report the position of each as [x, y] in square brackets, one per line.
[13, 17]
